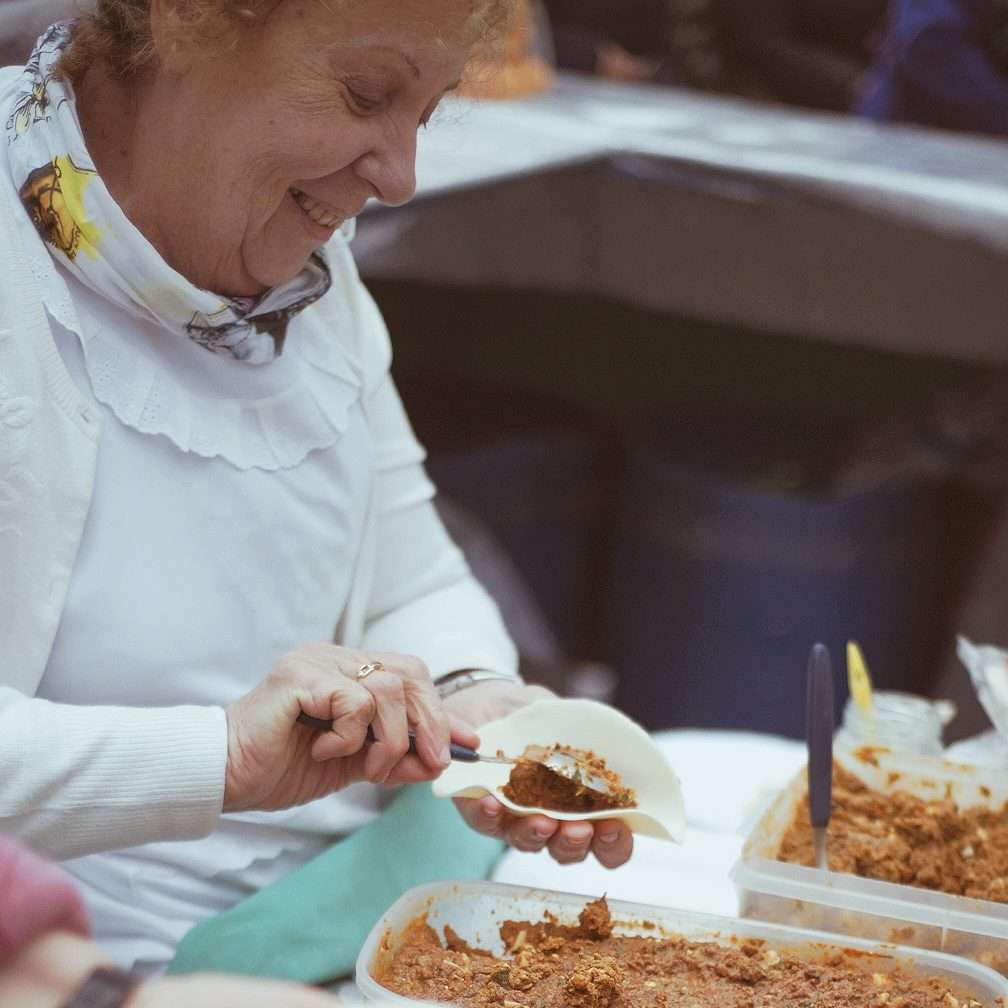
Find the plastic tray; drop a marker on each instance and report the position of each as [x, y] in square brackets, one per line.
[476, 909]
[772, 890]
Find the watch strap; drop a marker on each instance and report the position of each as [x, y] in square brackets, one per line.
[463, 678]
[106, 987]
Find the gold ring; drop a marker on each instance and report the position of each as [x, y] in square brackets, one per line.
[365, 670]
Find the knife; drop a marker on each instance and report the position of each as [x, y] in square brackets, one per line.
[459, 753]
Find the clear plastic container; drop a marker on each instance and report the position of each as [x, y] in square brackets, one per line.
[772, 890]
[476, 909]
[988, 670]
[899, 721]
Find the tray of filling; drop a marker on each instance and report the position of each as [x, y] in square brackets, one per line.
[918, 852]
[479, 944]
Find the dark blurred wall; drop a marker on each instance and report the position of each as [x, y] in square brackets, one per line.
[618, 454]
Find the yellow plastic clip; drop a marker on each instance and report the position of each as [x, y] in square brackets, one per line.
[858, 678]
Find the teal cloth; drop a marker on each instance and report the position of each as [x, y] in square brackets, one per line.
[311, 924]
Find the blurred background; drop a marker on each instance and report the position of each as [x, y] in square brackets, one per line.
[701, 314]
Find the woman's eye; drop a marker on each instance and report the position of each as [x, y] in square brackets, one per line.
[363, 102]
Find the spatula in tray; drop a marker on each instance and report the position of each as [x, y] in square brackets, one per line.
[819, 738]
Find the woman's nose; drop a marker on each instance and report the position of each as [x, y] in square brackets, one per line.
[392, 170]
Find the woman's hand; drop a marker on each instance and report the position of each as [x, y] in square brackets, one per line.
[206, 990]
[274, 762]
[568, 842]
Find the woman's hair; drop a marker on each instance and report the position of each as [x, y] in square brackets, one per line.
[117, 32]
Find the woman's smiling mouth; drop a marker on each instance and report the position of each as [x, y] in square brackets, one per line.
[321, 213]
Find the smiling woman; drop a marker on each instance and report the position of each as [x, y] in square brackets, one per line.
[204, 463]
[300, 110]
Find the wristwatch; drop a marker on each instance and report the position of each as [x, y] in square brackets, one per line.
[452, 682]
[106, 987]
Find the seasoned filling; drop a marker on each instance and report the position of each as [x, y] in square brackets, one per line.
[586, 966]
[536, 786]
[898, 837]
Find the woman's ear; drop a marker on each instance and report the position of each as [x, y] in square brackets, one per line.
[174, 49]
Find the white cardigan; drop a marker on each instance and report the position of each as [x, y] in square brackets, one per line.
[76, 780]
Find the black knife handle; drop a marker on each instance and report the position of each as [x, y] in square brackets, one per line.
[459, 753]
[819, 726]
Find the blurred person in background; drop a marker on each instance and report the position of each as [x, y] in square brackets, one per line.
[811, 53]
[944, 64]
[47, 959]
[622, 40]
[675, 42]
[804, 52]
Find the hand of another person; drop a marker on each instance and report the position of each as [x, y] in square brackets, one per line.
[207, 990]
[613, 62]
[568, 842]
[274, 762]
[49, 971]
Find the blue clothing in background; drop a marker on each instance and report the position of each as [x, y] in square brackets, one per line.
[944, 64]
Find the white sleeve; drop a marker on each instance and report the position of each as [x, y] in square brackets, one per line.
[424, 599]
[80, 779]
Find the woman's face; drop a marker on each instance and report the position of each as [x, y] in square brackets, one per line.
[264, 151]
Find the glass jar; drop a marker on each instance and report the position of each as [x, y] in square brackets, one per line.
[898, 721]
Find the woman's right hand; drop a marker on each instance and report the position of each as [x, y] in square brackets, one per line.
[274, 762]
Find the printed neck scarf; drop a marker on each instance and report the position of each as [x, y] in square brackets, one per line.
[86, 231]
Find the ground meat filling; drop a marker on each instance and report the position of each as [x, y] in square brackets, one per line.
[536, 786]
[898, 837]
[551, 965]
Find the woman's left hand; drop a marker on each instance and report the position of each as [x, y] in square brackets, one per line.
[568, 842]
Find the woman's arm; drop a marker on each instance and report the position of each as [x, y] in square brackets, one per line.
[426, 602]
[424, 599]
[82, 779]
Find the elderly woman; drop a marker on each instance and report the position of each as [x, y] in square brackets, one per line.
[204, 466]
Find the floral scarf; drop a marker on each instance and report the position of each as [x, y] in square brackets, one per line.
[87, 232]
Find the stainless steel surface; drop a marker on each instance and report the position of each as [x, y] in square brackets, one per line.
[821, 226]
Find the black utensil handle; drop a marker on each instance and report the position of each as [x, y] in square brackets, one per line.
[819, 735]
[459, 753]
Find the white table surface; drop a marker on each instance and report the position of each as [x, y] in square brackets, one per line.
[953, 181]
[820, 226]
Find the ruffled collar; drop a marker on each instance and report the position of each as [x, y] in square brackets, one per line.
[296, 404]
[270, 417]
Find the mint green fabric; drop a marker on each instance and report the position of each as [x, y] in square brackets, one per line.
[311, 924]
